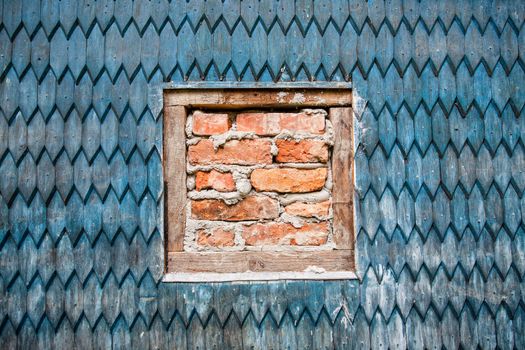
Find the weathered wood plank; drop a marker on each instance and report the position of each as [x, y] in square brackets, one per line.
[230, 262]
[261, 85]
[211, 277]
[243, 98]
[343, 179]
[175, 176]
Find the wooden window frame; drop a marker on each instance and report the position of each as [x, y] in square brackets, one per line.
[185, 266]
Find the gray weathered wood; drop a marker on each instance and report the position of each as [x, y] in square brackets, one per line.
[175, 176]
[227, 262]
[343, 178]
[236, 98]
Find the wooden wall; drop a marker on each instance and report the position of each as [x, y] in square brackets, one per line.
[440, 129]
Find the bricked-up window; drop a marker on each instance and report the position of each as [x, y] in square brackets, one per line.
[258, 183]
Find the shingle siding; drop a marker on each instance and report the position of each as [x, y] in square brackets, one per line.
[440, 164]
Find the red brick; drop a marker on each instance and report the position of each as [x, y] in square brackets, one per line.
[216, 238]
[303, 151]
[309, 210]
[311, 123]
[276, 233]
[287, 180]
[222, 182]
[250, 208]
[259, 123]
[206, 124]
[273, 123]
[242, 152]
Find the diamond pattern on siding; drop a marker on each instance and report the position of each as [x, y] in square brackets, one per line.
[440, 238]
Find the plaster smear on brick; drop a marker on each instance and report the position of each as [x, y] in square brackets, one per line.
[228, 197]
[327, 137]
[219, 140]
[313, 197]
[299, 222]
[194, 226]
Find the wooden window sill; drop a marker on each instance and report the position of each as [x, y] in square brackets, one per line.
[186, 277]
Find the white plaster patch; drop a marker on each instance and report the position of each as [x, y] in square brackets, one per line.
[298, 98]
[281, 96]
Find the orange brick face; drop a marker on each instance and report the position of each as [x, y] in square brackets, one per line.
[243, 152]
[303, 151]
[271, 124]
[266, 176]
[288, 180]
[216, 238]
[309, 210]
[250, 208]
[222, 182]
[276, 233]
[210, 123]
[313, 124]
[266, 124]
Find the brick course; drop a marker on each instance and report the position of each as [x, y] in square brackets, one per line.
[278, 233]
[242, 152]
[250, 208]
[271, 124]
[309, 210]
[255, 161]
[288, 180]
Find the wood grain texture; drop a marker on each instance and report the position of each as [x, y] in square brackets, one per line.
[175, 176]
[176, 102]
[343, 178]
[232, 262]
[237, 98]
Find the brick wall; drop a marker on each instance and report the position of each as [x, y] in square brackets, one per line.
[259, 179]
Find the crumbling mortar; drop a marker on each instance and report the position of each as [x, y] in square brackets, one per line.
[290, 248]
[311, 197]
[220, 140]
[241, 175]
[247, 169]
[189, 126]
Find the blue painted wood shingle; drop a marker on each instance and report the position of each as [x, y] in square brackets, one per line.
[440, 241]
